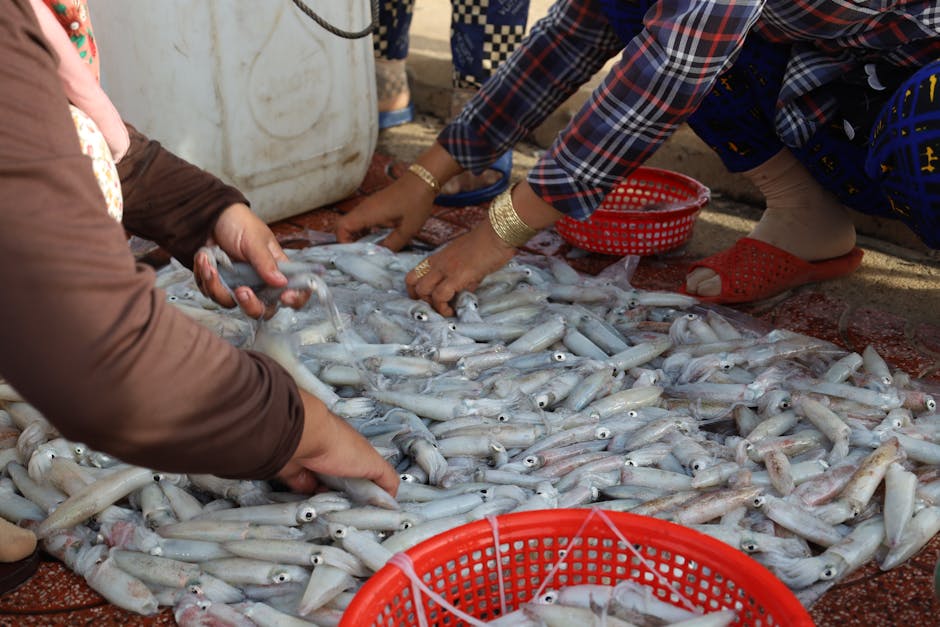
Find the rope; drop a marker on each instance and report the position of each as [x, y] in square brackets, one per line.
[403, 562]
[405, 565]
[494, 524]
[345, 34]
[662, 580]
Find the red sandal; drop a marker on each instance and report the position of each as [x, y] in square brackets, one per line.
[753, 270]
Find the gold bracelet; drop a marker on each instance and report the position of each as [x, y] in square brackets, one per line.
[506, 222]
[422, 173]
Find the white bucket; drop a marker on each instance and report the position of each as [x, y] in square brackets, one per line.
[254, 92]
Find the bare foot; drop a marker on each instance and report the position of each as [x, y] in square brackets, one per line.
[466, 181]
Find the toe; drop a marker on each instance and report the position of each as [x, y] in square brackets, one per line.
[695, 278]
[710, 286]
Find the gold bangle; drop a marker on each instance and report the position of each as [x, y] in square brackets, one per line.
[506, 222]
[422, 173]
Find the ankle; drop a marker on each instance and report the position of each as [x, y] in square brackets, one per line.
[391, 83]
[813, 231]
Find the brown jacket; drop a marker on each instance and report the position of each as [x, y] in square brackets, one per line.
[84, 334]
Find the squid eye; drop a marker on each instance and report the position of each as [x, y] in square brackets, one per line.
[531, 461]
[407, 478]
[749, 547]
[281, 578]
[542, 401]
[930, 404]
[696, 466]
[549, 597]
[194, 589]
[158, 476]
[316, 560]
[603, 433]
[629, 462]
[632, 413]
[726, 365]
[452, 326]
[340, 533]
[785, 404]
[559, 356]
[690, 316]
[308, 515]
[759, 501]
[406, 524]
[172, 299]
[502, 418]
[421, 316]
[204, 605]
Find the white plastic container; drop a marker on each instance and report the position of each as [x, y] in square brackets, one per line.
[255, 92]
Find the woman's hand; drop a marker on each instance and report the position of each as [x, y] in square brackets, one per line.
[463, 263]
[245, 237]
[330, 446]
[460, 265]
[403, 206]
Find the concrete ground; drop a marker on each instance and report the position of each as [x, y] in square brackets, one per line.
[899, 274]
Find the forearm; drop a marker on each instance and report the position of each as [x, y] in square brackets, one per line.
[84, 335]
[562, 52]
[666, 69]
[169, 200]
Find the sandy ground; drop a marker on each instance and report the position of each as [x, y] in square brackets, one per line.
[892, 278]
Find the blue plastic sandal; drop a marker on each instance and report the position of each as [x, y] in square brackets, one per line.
[397, 117]
[503, 165]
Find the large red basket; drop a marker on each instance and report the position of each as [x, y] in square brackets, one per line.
[460, 566]
[649, 212]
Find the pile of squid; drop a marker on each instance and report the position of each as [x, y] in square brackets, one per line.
[548, 389]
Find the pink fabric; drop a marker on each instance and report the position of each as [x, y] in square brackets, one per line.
[80, 85]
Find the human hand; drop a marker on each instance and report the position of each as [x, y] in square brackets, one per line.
[245, 237]
[461, 265]
[330, 446]
[403, 206]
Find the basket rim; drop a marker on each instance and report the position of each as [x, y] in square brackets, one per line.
[700, 195]
[644, 530]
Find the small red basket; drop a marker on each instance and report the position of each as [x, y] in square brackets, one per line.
[460, 566]
[626, 224]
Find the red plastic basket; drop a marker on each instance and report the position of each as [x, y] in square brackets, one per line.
[626, 224]
[460, 566]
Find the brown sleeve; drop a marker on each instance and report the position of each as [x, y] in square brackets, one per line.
[169, 200]
[84, 335]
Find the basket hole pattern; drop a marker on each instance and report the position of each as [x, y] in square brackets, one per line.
[625, 223]
[470, 581]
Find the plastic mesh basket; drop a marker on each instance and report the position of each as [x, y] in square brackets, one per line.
[460, 566]
[649, 212]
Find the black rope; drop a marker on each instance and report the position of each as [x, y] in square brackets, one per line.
[345, 34]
